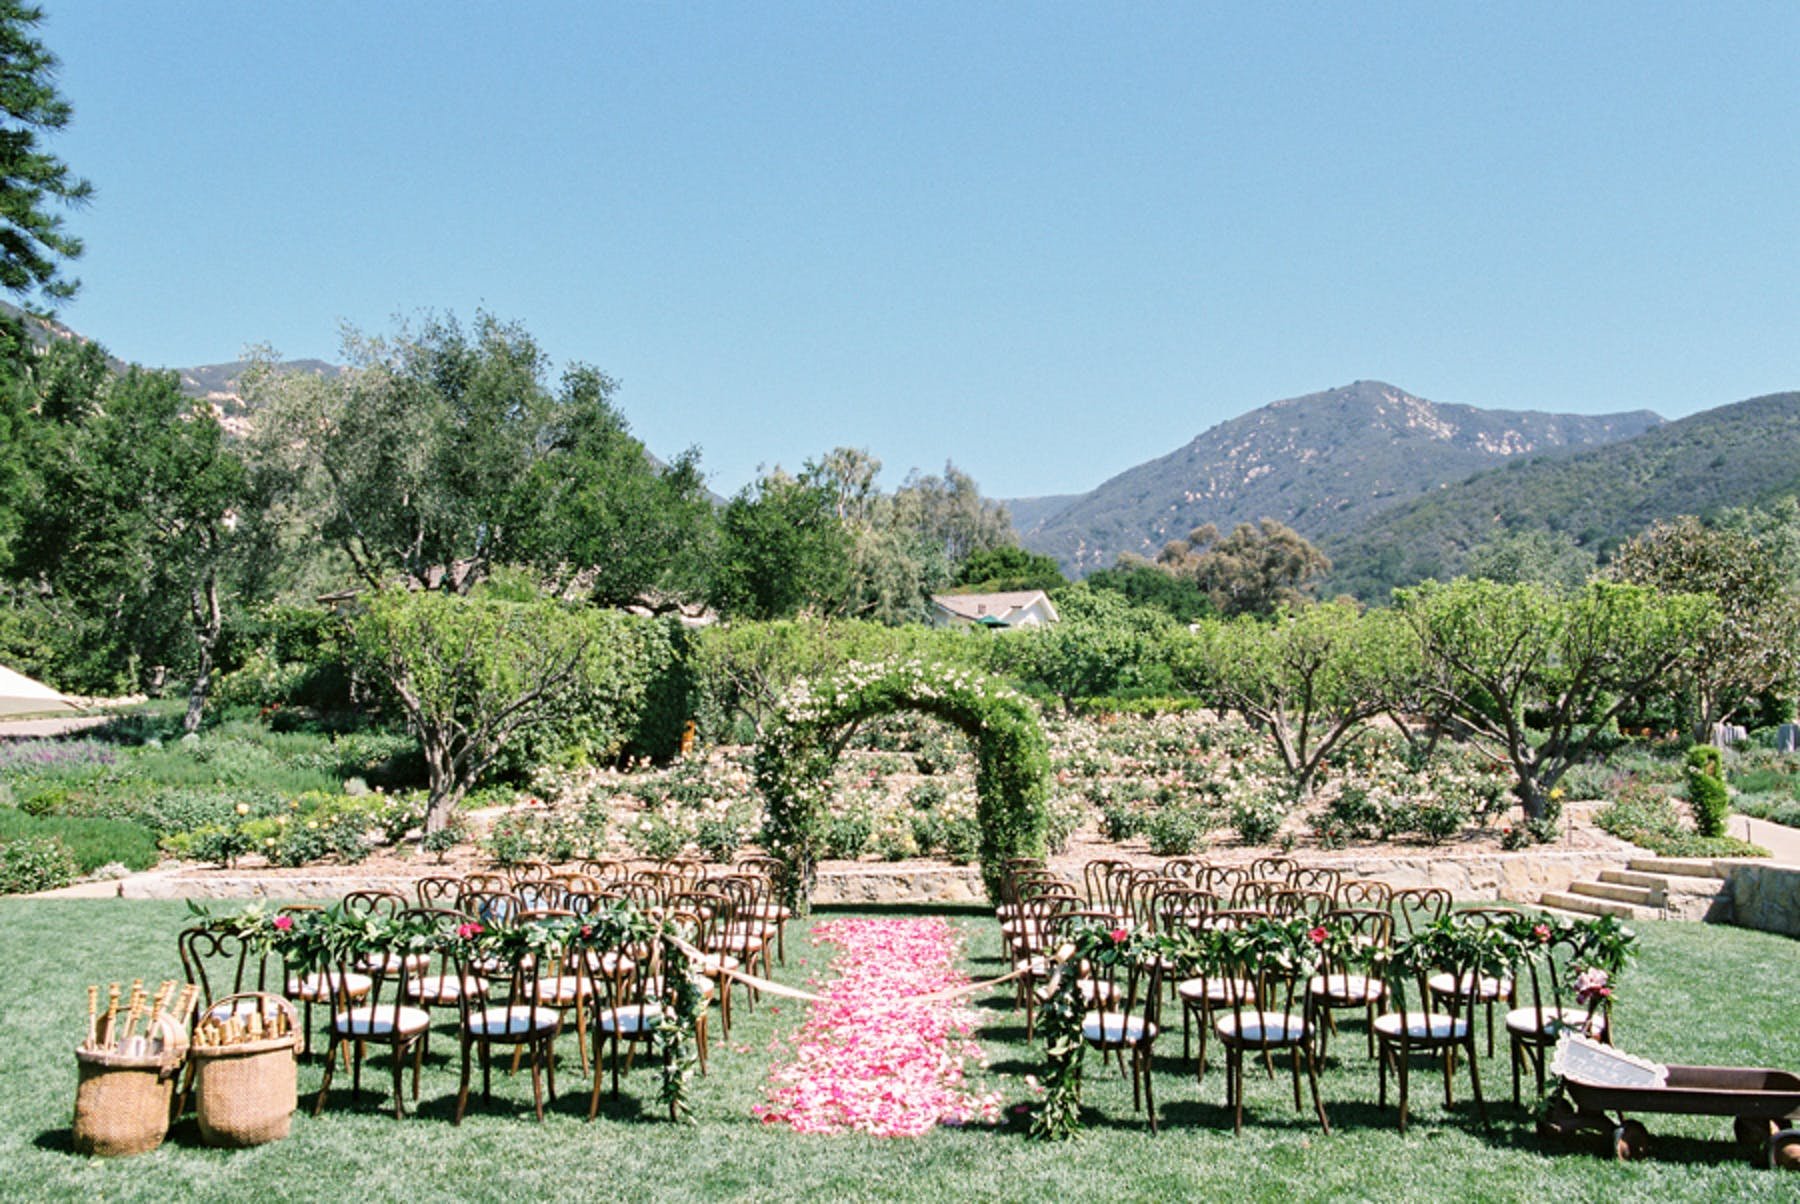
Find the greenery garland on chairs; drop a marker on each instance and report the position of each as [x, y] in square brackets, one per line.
[311, 941]
[797, 750]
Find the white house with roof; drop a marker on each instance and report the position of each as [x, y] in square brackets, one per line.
[1021, 608]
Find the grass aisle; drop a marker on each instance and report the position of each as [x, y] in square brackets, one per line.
[872, 1057]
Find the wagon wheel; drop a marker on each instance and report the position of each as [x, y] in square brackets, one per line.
[1753, 1132]
[1631, 1140]
[1784, 1150]
[1558, 1118]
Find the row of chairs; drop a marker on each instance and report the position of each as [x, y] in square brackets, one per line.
[1256, 1007]
[612, 994]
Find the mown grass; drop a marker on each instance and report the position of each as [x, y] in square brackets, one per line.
[1699, 995]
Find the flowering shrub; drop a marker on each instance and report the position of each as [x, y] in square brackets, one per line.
[799, 746]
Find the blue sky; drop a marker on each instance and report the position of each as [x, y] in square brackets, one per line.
[1045, 241]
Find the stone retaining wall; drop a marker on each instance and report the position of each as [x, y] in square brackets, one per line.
[1764, 896]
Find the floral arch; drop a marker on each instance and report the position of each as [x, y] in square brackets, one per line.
[800, 746]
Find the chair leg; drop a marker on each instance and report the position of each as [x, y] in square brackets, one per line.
[1449, 1072]
[1475, 1086]
[1405, 1075]
[325, 1084]
[399, 1080]
[1381, 1071]
[1312, 1077]
[537, 1079]
[462, 1094]
[1234, 1074]
[1149, 1090]
[1516, 1050]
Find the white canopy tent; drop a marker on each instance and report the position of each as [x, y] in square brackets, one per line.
[19, 695]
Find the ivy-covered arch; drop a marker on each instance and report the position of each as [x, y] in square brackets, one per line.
[815, 720]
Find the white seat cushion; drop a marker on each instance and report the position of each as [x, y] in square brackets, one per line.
[1347, 988]
[1446, 983]
[1262, 1028]
[609, 963]
[520, 1021]
[445, 989]
[1215, 990]
[383, 1021]
[629, 1021]
[1537, 1022]
[1116, 1028]
[1423, 1026]
[318, 986]
[563, 989]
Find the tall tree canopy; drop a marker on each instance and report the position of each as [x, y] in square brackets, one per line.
[33, 243]
[1256, 570]
[444, 452]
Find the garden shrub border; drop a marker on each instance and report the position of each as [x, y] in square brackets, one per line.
[814, 721]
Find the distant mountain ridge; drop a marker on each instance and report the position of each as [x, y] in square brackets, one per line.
[1323, 464]
[1742, 454]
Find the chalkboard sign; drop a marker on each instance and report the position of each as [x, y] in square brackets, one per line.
[1596, 1065]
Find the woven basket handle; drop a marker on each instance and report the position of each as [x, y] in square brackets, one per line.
[264, 998]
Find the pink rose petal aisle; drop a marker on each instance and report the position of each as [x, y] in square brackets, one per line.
[871, 1058]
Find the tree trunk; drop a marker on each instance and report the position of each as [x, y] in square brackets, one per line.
[206, 633]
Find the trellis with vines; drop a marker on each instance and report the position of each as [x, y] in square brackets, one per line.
[816, 720]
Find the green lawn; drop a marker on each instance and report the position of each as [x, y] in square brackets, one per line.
[1699, 994]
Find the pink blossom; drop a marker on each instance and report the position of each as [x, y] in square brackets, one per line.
[1542, 933]
[869, 1058]
[282, 923]
[1120, 936]
[1317, 935]
[466, 931]
[1592, 985]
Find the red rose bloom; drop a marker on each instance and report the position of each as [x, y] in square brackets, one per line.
[283, 923]
[1317, 935]
[1120, 936]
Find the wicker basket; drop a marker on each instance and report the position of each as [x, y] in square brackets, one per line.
[122, 1100]
[246, 1092]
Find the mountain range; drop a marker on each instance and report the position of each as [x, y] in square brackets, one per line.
[1325, 464]
[1395, 489]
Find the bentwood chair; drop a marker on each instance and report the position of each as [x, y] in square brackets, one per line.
[381, 1017]
[1421, 1021]
[1124, 1015]
[1353, 974]
[1275, 1016]
[1548, 1008]
[523, 1023]
[1484, 989]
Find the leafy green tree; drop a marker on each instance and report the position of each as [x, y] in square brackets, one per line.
[132, 534]
[1255, 570]
[1143, 583]
[1537, 675]
[782, 551]
[33, 241]
[1102, 646]
[597, 505]
[1755, 646]
[1008, 568]
[1309, 681]
[443, 453]
[475, 674]
[949, 516]
[1546, 557]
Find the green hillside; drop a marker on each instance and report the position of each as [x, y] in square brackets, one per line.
[1735, 455]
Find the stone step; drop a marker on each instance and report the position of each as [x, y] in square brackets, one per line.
[1658, 882]
[1682, 867]
[1589, 905]
[1637, 896]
